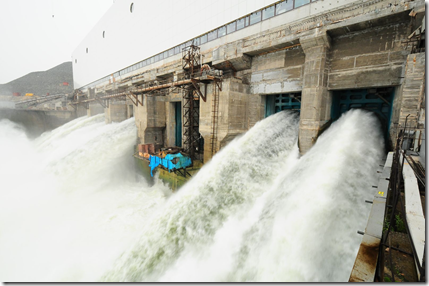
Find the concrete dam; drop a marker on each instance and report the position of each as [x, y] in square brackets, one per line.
[35, 122]
[365, 56]
[236, 220]
[259, 150]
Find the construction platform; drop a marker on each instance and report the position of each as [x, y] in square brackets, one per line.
[173, 167]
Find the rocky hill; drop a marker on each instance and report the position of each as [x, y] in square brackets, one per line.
[57, 80]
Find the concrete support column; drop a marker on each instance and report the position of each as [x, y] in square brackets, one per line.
[151, 121]
[170, 128]
[116, 112]
[413, 92]
[237, 112]
[80, 110]
[94, 107]
[206, 122]
[316, 99]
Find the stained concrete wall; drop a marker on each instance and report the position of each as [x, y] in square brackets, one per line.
[277, 72]
[371, 57]
[359, 45]
[365, 49]
[413, 91]
[411, 97]
[239, 110]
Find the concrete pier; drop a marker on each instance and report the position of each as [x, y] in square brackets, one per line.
[116, 111]
[316, 99]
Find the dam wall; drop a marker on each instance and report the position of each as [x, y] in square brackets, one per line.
[38, 121]
[357, 55]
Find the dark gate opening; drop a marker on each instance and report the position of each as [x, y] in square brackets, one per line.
[376, 100]
[178, 121]
[130, 108]
[287, 101]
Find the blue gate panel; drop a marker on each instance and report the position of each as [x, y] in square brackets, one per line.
[377, 100]
[278, 102]
[368, 99]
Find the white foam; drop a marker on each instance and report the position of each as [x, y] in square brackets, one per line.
[71, 209]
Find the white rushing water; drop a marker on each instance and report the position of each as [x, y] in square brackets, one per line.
[69, 202]
[72, 208]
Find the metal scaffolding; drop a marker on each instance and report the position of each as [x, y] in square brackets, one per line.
[195, 74]
[191, 61]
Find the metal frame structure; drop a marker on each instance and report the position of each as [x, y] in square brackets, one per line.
[194, 76]
[394, 199]
[191, 61]
[38, 100]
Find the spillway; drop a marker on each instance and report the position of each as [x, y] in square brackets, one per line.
[73, 209]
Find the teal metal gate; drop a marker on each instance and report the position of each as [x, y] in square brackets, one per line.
[278, 102]
[178, 117]
[377, 100]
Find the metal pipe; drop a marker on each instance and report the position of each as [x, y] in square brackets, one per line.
[398, 249]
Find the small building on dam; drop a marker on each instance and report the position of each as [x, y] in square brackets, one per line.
[196, 74]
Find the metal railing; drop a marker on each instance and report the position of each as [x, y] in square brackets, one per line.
[395, 198]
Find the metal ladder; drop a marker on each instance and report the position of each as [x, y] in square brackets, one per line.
[215, 113]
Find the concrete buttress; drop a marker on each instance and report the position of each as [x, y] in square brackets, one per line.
[150, 120]
[234, 117]
[94, 107]
[316, 99]
[116, 112]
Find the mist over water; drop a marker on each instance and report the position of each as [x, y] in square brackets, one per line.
[73, 209]
[69, 201]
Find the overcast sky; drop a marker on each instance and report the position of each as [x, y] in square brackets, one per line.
[36, 35]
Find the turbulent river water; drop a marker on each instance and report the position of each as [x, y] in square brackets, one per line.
[73, 208]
